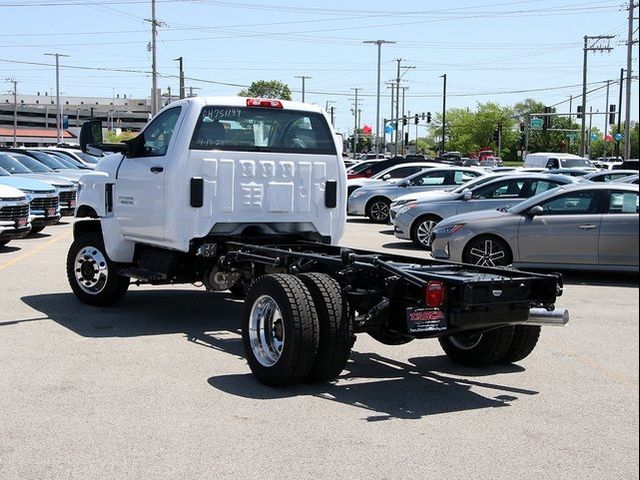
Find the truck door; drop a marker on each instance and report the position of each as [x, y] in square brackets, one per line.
[139, 195]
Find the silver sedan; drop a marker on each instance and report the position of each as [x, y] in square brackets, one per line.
[373, 201]
[580, 226]
[416, 220]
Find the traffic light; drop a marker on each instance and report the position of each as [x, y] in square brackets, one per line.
[496, 135]
[416, 119]
[546, 121]
[579, 112]
[612, 114]
[428, 117]
[404, 120]
[522, 126]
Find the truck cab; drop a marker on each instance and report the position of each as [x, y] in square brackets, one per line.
[220, 167]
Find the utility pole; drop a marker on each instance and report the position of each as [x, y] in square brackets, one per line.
[303, 77]
[444, 110]
[154, 73]
[617, 148]
[355, 123]
[397, 116]
[606, 120]
[58, 106]
[379, 43]
[594, 47]
[627, 113]
[179, 60]
[15, 110]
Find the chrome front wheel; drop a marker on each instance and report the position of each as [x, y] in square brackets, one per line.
[91, 270]
[422, 231]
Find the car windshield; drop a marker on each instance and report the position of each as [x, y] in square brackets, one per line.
[533, 201]
[575, 163]
[49, 161]
[360, 167]
[31, 163]
[88, 158]
[475, 182]
[262, 130]
[11, 165]
[3, 172]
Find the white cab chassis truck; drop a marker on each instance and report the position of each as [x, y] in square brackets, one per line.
[248, 195]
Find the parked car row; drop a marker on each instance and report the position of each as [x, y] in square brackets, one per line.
[557, 212]
[38, 187]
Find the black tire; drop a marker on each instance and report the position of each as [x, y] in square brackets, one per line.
[422, 231]
[487, 251]
[378, 210]
[475, 349]
[280, 330]
[336, 330]
[525, 339]
[97, 283]
[35, 230]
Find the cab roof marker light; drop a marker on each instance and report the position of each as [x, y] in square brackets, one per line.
[264, 103]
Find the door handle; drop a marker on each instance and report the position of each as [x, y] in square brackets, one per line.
[157, 169]
[587, 227]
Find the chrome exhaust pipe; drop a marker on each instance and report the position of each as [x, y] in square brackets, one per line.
[543, 317]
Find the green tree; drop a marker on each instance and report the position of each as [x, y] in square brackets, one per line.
[267, 89]
[469, 131]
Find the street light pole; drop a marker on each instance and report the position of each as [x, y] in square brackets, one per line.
[15, 110]
[444, 109]
[58, 107]
[379, 43]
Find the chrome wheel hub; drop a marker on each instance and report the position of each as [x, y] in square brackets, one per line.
[466, 342]
[266, 331]
[91, 270]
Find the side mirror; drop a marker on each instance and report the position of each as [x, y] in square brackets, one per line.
[535, 211]
[467, 195]
[90, 134]
[386, 177]
[404, 183]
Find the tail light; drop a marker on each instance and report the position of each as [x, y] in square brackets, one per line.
[264, 103]
[434, 293]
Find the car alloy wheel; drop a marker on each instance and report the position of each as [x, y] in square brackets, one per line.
[488, 252]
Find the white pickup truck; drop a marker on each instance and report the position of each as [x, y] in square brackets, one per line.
[248, 195]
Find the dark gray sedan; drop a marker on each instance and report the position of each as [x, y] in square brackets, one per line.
[589, 226]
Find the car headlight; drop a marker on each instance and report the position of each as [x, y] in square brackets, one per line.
[80, 187]
[450, 229]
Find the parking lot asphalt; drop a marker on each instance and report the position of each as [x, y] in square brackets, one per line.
[157, 387]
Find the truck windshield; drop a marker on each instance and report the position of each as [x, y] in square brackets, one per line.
[262, 129]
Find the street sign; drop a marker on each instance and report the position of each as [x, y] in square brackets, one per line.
[536, 122]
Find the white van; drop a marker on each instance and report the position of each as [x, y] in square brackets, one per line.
[557, 160]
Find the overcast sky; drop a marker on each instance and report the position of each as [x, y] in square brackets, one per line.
[491, 51]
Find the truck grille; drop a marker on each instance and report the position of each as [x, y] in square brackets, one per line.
[14, 213]
[44, 203]
[68, 198]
